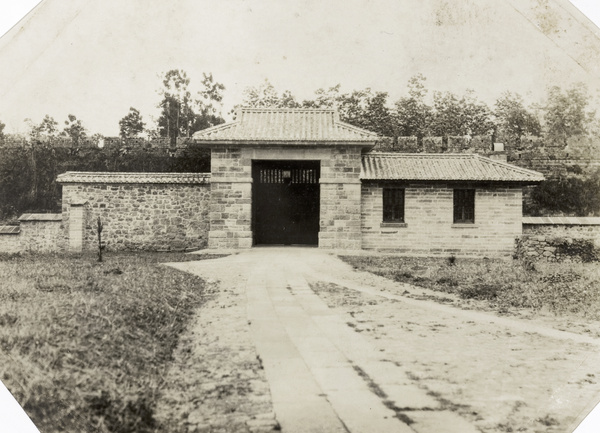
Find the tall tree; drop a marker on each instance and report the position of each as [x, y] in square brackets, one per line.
[460, 116]
[74, 129]
[265, 95]
[177, 114]
[324, 98]
[181, 115]
[47, 128]
[367, 109]
[208, 107]
[363, 108]
[413, 115]
[566, 112]
[2, 126]
[513, 119]
[132, 124]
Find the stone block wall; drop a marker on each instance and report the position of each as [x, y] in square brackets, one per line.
[36, 233]
[42, 233]
[139, 211]
[558, 242]
[10, 239]
[429, 228]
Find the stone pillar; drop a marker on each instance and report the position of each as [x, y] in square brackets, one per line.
[76, 226]
[230, 208]
[340, 222]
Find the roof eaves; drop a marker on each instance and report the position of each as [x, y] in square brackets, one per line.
[357, 129]
[214, 129]
[288, 142]
[526, 171]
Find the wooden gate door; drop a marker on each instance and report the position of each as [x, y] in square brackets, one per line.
[285, 202]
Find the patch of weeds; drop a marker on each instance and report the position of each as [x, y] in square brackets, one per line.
[370, 382]
[398, 412]
[548, 421]
[447, 404]
[447, 281]
[564, 288]
[481, 291]
[504, 427]
[8, 319]
[123, 415]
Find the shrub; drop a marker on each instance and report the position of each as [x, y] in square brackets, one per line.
[585, 249]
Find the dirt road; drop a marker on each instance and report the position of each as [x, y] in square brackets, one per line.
[350, 351]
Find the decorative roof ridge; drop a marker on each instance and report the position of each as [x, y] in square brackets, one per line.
[136, 173]
[282, 109]
[421, 155]
[217, 127]
[355, 128]
[133, 177]
[507, 165]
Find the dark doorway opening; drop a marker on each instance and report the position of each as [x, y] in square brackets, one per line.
[285, 202]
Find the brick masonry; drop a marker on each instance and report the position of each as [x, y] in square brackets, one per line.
[230, 208]
[429, 228]
[144, 216]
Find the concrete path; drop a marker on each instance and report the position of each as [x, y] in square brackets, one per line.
[324, 377]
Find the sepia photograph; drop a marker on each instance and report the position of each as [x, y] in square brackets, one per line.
[338, 216]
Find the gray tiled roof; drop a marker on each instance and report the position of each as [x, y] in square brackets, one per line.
[442, 167]
[10, 230]
[41, 217]
[136, 178]
[287, 126]
[561, 220]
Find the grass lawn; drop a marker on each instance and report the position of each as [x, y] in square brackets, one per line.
[84, 345]
[559, 287]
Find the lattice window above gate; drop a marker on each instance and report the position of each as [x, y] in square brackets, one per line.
[293, 175]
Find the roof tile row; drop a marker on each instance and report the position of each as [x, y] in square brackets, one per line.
[442, 167]
[286, 126]
[134, 178]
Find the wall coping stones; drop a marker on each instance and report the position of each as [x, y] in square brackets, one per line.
[10, 230]
[568, 221]
[40, 217]
[134, 178]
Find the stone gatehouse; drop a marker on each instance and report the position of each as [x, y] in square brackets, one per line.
[301, 177]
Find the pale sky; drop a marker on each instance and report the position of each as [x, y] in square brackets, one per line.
[11, 11]
[301, 48]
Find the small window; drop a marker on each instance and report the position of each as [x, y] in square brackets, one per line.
[464, 206]
[393, 205]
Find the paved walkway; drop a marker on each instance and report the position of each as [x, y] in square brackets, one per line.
[324, 377]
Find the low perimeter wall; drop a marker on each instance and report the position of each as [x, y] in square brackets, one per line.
[139, 211]
[559, 239]
[39, 233]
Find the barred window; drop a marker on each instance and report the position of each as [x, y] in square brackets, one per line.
[464, 206]
[393, 205]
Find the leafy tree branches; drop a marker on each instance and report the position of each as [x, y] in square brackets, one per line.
[181, 114]
[514, 120]
[565, 112]
[132, 124]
